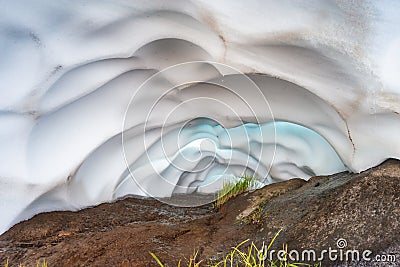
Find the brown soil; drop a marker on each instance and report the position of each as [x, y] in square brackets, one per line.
[362, 208]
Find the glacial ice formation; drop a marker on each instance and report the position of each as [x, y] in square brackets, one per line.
[101, 99]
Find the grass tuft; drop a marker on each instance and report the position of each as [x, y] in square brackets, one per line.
[193, 262]
[232, 189]
[250, 257]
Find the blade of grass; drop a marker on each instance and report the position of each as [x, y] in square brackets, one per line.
[156, 259]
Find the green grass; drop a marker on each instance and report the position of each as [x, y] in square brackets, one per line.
[252, 256]
[232, 189]
[193, 262]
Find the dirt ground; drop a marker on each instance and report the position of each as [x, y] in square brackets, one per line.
[122, 234]
[362, 208]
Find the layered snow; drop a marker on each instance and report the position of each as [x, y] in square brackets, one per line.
[102, 99]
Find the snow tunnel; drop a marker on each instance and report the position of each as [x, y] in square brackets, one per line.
[100, 100]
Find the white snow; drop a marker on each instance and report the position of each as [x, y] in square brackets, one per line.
[101, 99]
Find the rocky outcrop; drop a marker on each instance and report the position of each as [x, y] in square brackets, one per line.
[357, 211]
